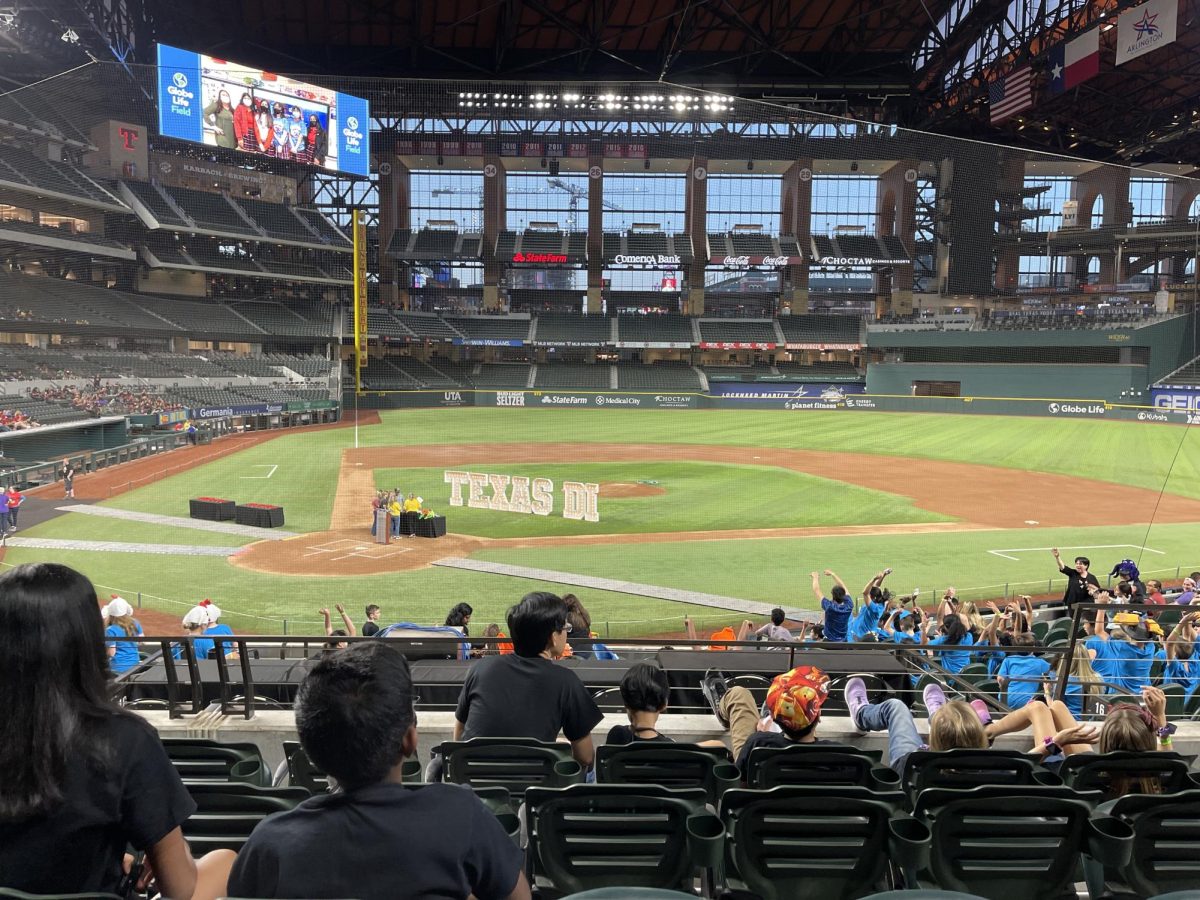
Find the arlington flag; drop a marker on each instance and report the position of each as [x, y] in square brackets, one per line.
[1146, 28]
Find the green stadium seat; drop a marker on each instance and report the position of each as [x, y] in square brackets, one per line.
[198, 760]
[1166, 832]
[227, 813]
[671, 765]
[630, 893]
[822, 843]
[816, 764]
[609, 835]
[1176, 700]
[1014, 841]
[926, 769]
[1098, 771]
[918, 894]
[300, 769]
[512, 763]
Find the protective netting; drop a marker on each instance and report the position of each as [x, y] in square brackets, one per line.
[589, 245]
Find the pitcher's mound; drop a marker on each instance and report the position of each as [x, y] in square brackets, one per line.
[617, 489]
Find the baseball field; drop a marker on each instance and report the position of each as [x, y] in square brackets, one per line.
[701, 512]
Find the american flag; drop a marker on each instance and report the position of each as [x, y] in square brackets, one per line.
[1009, 95]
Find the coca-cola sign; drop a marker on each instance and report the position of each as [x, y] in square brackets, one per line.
[755, 262]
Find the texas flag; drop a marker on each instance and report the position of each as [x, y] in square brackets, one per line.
[1074, 62]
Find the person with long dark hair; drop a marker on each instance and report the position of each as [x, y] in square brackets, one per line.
[243, 123]
[218, 117]
[82, 778]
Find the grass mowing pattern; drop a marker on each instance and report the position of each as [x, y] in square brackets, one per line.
[699, 496]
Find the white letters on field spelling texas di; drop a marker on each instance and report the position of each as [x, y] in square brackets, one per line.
[520, 494]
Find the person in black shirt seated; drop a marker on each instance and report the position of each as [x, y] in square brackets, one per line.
[794, 702]
[83, 779]
[644, 691]
[524, 694]
[374, 838]
[371, 626]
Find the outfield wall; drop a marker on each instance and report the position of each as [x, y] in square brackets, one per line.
[1110, 383]
[773, 396]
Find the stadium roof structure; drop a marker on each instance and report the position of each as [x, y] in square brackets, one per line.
[924, 64]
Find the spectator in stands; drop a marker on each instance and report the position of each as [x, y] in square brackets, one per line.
[1181, 659]
[332, 633]
[371, 626]
[1189, 589]
[1127, 573]
[581, 627]
[1021, 672]
[719, 638]
[503, 647]
[1121, 651]
[838, 606]
[219, 117]
[1056, 734]
[644, 691]
[950, 633]
[374, 839]
[460, 617]
[952, 726]
[1078, 579]
[83, 779]
[195, 623]
[243, 123]
[216, 627]
[1154, 592]
[865, 625]
[775, 630]
[12, 501]
[119, 622]
[901, 625]
[68, 478]
[793, 707]
[525, 694]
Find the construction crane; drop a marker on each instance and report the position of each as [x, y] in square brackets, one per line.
[575, 192]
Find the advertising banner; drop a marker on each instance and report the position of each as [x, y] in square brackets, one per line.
[1175, 398]
[487, 342]
[791, 396]
[227, 412]
[755, 262]
[736, 345]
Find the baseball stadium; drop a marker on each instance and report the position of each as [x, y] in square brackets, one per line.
[700, 315]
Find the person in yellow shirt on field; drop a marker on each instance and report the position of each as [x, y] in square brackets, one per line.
[413, 503]
[394, 510]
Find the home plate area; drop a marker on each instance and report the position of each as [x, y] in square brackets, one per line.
[348, 548]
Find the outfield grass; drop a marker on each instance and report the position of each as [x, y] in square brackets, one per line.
[778, 570]
[267, 604]
[699, 496]
[772, 570]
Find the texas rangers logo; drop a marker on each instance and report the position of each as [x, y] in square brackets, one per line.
[1146, 27]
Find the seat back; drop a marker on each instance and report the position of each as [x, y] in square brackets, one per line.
[1006, 841]
[227, 813]
[670, 765]
[608, 835]
[815, 764]
[512, 763]
[812, 842]
[926, 769]
[1166, 833]
[212, 761]
[1122, 772]
[301, 770]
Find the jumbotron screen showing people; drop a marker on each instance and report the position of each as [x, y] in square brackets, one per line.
[225, 104]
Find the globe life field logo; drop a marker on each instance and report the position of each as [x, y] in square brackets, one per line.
[354, 137]
[181, 97]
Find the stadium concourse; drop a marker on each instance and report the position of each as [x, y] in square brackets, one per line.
[779, 309]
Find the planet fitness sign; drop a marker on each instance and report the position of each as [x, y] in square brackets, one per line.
[520, 494]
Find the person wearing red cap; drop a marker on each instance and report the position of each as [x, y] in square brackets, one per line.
[793, 706]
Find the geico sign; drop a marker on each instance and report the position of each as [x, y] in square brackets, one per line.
[650, 259]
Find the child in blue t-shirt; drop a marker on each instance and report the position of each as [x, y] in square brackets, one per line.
[195, 623]
[875, 604]
[1122, 652]
[838, 607]
[951, 634]
[119, 622]
[215, 627]
[901, 626]
[1021, 672]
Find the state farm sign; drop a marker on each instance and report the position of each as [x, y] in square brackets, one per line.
[759, 262]
[544, 258]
